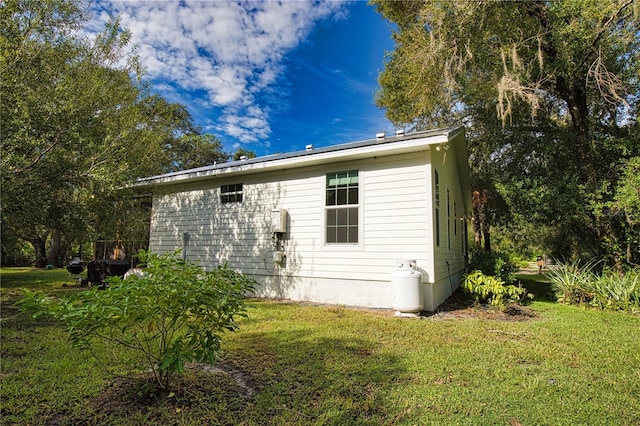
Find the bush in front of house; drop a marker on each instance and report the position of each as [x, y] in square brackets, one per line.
[492, 290]
[175, 313]
[495, 263]
[583, 283]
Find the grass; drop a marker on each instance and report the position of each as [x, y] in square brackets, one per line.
[331, 365]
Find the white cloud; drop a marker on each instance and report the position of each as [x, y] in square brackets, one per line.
[231, 50]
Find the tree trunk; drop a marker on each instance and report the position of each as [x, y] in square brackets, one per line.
[487, 236]
[630, 252]
[55, 248]
[477, 223]
[481, 225]
[39, 243]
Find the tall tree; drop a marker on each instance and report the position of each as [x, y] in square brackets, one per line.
[549, 90]
[195, 150]
[75, 124]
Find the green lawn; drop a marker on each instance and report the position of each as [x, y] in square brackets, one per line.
[303, 364]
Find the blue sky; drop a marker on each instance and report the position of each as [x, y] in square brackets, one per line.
[264, 75]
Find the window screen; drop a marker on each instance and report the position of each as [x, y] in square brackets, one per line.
[231, 193]
[341, 207]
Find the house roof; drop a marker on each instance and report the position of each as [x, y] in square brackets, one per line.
[314, 156]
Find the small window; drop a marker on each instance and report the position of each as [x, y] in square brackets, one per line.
[436, 195]
[341, 207]
[448, 219]
[437, 188]
[455, 218]
[438, 227]
[231, 193]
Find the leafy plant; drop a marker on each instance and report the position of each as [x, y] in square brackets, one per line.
[499, 264]
[492, 290]
[569, 281]
[583, 284]
[175, 313]
[617, 290]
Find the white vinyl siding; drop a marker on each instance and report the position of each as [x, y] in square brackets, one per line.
[448, 259]
[396, 220]
[393, 220]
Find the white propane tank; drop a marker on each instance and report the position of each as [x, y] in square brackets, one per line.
[406, 282]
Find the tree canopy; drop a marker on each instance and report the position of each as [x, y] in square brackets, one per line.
[78, 123]
[549, 93]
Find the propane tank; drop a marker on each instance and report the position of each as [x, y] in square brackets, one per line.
[406, 282]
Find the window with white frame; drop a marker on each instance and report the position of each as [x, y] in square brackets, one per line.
[436, 179]
[455, 218]
[231, 193]
[448, 219]
[341, 208]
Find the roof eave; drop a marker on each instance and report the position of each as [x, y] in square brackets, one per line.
[345, 152]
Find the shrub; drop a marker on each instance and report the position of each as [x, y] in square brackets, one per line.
[570, 281]
[498, 264]
[614, 290]
[175, 313]
[584, 284]
[489, 289]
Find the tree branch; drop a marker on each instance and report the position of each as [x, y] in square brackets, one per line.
[41, 155]
[592, 47]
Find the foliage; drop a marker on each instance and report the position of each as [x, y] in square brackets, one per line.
[583, 284]
[191, 151]
[521, 52]
[492, 290]
[78, 123]
[626, 203]
[242, 152]
[69, 122]
[175, 313]
[628, 192]
[567, 279]
[616, 290]
[499, 264]
[15, 252]
[549, 91]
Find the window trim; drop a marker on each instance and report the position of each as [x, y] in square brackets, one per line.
[436, 210]
[232, 193]
[358, 207]
[455, 217]
[448, 219]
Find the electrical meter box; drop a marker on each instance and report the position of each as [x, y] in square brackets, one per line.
[279, 221]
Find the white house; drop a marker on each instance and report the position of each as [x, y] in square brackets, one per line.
[326, 225]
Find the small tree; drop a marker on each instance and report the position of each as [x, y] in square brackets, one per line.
[175, 313]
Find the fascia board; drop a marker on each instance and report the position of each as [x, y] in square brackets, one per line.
[383, 147]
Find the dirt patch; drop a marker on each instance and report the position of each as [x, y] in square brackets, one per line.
[245, 383]
[458, 306]
[201, 385]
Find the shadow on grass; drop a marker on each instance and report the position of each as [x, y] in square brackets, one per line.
[309, 379]
[14, 280]
[299, 378]
[539, 286]
[301, 375]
